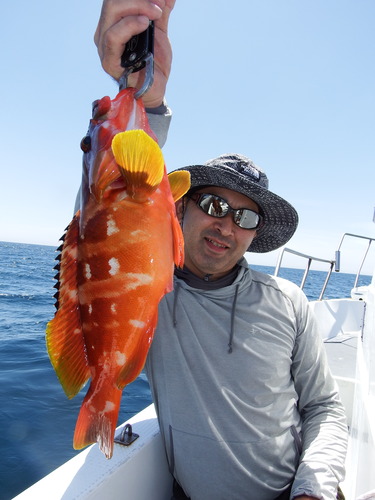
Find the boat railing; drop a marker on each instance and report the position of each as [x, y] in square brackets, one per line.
[332, 264]
[309, 259]
[338, 254]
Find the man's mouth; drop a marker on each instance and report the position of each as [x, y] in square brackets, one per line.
[216, 243]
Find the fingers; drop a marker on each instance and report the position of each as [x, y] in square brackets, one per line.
[162, 22]
[113, 41]
[115, 10]
[119, 21]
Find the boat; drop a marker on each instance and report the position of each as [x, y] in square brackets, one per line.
[138, 469]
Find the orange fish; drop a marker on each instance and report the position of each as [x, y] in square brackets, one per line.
[116, 264]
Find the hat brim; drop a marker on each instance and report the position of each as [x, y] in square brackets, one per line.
[280, 219]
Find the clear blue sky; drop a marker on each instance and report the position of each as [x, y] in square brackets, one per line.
[290, 84]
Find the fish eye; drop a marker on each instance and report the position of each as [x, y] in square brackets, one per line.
[86, 144]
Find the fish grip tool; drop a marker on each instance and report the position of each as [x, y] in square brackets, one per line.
[139, 54]
[127, 436]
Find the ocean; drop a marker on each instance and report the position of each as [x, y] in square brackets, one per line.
[36, 419]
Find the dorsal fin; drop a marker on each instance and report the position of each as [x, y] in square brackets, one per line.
[64, 335]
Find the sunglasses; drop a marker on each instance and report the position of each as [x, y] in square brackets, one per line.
[215, 206]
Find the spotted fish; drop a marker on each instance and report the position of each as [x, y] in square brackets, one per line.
[116, 264]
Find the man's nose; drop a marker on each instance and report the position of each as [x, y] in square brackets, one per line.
[225, 224]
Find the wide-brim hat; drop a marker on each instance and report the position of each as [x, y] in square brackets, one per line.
[239, 173]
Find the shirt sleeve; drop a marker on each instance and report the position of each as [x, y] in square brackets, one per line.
[324, 427]
[159, 119]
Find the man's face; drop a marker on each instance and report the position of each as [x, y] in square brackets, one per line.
[215, 245]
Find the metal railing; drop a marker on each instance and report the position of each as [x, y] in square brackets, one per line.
[338, 254]
[332, 263]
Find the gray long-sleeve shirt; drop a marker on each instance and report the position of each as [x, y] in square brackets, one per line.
[244, 425]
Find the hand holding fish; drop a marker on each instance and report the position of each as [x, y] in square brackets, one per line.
[122, 19]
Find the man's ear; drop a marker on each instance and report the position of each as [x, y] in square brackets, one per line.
[180, 208]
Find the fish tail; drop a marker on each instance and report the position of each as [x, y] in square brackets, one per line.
[97, 420]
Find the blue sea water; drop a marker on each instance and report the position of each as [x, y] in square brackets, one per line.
[36, 419]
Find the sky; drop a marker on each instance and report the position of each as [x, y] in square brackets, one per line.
[288, 83]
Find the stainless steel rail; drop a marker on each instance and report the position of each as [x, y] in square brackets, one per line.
[338, 253]
[332, 263]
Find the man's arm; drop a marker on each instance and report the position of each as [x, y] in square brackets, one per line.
[122, 19]
[324, 427]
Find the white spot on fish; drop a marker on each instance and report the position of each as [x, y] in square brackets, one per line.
[137, 323]
[137, 279]
[120, 358]
[138, 235]
[132, 119]
[109, 406]
[114, 265]
[73, 295]
[71, 250]
[114, 308]
[112, 324]
[87, 271]
[111, 227]
[90, 309]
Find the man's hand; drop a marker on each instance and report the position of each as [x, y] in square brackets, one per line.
[122, 19]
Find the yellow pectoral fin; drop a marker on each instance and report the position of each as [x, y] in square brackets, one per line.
[64, 336]
[180, 183]
[139, 158]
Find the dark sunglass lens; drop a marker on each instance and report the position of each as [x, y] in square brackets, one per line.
[213, 206]
[247, 219]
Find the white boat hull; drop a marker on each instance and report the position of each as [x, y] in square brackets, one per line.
[135, 472]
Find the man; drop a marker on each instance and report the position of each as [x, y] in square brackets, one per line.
[246, 404]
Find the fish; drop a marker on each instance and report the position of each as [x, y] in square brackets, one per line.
[115, 264]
